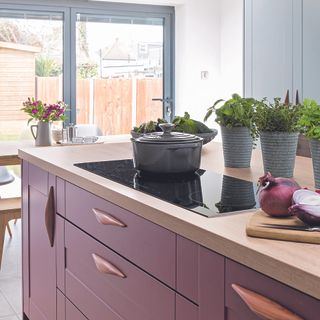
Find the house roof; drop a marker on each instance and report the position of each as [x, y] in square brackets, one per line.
[18, 46]
[118, 51]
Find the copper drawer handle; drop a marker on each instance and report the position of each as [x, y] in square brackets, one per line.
[107, 219]
[263, 307]
[50, 215]
[106, 267]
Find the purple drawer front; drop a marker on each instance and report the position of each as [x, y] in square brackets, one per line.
[186, 310]
[127, 293]
[301, 304]
[149, 246]
[187, 268]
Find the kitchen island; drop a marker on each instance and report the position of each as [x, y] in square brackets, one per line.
[196, 249]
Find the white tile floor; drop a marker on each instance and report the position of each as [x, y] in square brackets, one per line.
[10, 276]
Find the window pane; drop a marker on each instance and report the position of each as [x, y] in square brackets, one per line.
[31, 64]
[119, 71]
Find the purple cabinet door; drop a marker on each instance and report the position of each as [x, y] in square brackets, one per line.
[25, 238]
[188, 268]
[40, 302]
[292, 300]
[211, 285]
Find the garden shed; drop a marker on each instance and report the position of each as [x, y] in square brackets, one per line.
[17, 83]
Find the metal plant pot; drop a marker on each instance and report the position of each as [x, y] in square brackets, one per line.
[279, 152]
[167, 152]
[315, 153]
[237, 147]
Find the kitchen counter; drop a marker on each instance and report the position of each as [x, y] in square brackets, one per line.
[295, 264]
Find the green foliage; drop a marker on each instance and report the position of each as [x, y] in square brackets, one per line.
[150, 126]
[277, 116]
[182, 124]
[46, 67]
[309, 122]
[88, 70]
[236, 112]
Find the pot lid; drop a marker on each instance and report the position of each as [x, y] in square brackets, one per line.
[167, 136]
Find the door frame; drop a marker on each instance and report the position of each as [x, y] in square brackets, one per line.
[130, 12]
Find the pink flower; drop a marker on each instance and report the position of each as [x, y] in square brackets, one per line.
[34, 111]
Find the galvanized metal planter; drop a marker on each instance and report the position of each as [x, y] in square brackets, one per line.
[279, 152]
[315, 152]
[237, 147]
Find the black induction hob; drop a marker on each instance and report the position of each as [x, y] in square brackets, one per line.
[204, 192]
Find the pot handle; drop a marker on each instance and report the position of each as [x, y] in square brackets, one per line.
[167, 128]
[34, 134]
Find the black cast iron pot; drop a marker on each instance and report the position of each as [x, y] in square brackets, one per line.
[167, 152]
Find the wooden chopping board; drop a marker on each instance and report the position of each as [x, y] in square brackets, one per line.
[254, 229]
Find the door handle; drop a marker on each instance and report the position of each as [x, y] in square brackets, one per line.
[50, 216]
[263, 307]
[106, 267]
[107, 219]
[163, 99]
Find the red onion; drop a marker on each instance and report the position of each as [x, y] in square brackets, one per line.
[306, 206]
[275, 195]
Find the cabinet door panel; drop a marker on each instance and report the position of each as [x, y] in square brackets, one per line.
[61, 306]
[146, 244]
[25, 238]
[298, 303]
[42, 258]
[211, 285]
[186, 310]
[269, 47]
[72, 313]
[187, 268]
[108, 280]
[311, 49]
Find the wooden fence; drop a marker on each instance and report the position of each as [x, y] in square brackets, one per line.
[114, 105]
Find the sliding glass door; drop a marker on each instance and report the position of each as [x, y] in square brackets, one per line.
[121, 80]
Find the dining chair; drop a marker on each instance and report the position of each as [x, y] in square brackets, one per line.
[5, 178]
[10, 208]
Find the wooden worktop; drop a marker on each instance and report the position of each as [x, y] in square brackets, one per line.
[295, 264]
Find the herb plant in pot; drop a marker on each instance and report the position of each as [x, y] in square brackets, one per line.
[277, 124]
[310, 126]
[235, 117]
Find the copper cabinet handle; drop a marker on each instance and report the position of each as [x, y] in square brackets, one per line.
[50, 216]
[263, 307]
[106, 267]
[107, 219]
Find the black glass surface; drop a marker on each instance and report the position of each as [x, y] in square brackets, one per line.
[204, 192]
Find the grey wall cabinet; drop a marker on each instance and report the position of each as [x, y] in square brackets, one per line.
[273, 47]
[311, 49]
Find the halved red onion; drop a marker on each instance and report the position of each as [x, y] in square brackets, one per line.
[306, 206]
[275, 196]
